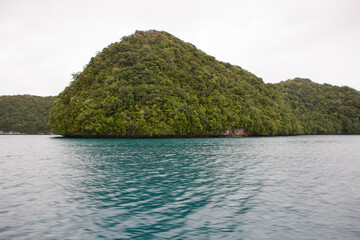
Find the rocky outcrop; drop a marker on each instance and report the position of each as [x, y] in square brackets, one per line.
[238, 132]
[9, 133]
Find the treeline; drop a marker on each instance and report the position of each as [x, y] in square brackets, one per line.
[320, 108]
[153, 84]
[25, 114]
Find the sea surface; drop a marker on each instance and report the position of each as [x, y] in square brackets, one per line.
[298, 187]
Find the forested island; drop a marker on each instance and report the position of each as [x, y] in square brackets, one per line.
[25, 114]
[152, 84]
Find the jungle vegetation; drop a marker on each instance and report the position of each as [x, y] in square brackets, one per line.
[25, 114]
[321, 108]
[152, 84]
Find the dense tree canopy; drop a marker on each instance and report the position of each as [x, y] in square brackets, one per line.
[153, 84]
[25, 114]
[321, 109]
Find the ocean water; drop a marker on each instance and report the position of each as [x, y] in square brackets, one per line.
[299, 187]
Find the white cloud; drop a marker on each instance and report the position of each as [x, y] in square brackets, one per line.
[42, 42]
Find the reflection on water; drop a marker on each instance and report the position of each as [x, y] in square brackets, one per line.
[250, 188]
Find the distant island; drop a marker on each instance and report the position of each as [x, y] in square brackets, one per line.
[152, 84]
[25, 114]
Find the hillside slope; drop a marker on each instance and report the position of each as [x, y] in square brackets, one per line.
[321, 108]
[152, 84]
[25, 114]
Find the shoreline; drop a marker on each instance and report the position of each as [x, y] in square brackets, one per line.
[19, 133]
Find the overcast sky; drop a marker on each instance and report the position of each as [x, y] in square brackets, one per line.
[42, 42]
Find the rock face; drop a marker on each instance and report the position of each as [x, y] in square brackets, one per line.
[9, 133]
[152, 84]
[241, 132]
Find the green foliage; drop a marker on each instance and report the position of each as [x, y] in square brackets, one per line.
[25, 113]
[321, 109]
[153, 84]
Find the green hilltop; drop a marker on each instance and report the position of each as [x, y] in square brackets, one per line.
[152, 84]
[25, 114]
[321, 108]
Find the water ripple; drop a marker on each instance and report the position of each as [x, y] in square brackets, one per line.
[252, 188]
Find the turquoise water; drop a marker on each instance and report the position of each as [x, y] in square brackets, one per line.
[302, 187]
